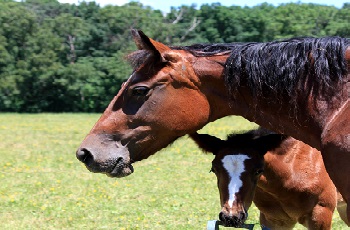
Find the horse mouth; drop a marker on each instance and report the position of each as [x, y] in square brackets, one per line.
[121, 169]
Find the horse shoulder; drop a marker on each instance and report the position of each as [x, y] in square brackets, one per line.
[336, 134]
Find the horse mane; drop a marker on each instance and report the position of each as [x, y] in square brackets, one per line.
[288, 69]
[145, 58]
[205, 50]
[291, 69]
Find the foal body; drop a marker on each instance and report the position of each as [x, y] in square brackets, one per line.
[294, 186]
[297, 185]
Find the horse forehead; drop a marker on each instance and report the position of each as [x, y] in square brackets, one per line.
[234, 164]
[168, 71]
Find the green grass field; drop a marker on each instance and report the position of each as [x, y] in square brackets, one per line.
[43, 186]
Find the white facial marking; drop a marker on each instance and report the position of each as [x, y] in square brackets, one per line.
[234, 165]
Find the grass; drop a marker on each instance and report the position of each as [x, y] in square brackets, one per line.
[43, 186]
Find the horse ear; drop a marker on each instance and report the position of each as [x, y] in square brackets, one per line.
[207, 142]
[143, 42]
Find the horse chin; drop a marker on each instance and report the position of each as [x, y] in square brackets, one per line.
[121, 170]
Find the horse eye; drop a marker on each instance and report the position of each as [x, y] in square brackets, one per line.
[140, 91]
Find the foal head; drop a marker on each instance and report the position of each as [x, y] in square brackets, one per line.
[238, 164]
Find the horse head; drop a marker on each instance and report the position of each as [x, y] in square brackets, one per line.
[163, 99]
[238, 164]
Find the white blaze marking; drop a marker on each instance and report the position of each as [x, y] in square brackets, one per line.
[234, 165]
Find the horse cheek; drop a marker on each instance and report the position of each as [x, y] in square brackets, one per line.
[194, 112]
[178, 111]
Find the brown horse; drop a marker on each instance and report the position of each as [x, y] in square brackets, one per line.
[298, 87]
[288, 178]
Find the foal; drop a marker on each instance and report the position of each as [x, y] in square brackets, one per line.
[287, 176]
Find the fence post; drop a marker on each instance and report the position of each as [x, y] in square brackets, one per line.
[213, 225]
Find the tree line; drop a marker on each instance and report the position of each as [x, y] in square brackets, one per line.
[70, 58]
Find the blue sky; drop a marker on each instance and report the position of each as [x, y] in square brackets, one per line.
[165, 5]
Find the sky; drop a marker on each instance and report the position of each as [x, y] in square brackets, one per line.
[164, 5]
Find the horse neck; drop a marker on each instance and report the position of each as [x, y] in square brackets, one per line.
[305, 118]
[305, 122]
[281, 117]
[210, 72]
[213, 86]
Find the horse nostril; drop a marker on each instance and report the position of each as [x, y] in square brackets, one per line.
[83, 155]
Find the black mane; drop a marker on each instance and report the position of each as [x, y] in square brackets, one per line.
[146, 57]
[292, 68]
[205, 50]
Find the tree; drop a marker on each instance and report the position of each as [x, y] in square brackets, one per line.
[296, 20]
[340, 25]
[68, 57]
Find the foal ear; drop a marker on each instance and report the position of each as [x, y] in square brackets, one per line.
[207, 142]
[143, 42]
[270, 142]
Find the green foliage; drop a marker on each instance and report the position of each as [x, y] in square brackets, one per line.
[340, 24]
[60, 57]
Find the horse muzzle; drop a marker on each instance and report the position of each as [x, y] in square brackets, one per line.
[103, 155]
